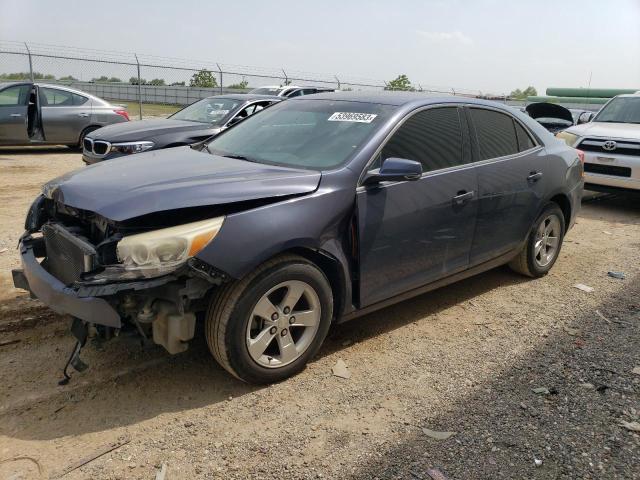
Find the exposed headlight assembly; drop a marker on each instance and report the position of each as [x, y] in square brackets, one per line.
[167, 248]
[569, 138]
[128, 148]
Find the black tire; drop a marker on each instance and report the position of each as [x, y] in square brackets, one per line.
[84, 133]
[230, 311]
[526, 262]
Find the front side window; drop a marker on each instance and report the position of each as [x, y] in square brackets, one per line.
[57, 98]
[208, 110]
[495, 132]
[620, 110]
[432, 137]
[313, 134]
[14, 96]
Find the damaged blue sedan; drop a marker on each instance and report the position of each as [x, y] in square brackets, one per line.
[317, 210]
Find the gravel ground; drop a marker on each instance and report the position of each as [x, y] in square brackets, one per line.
[464, 359]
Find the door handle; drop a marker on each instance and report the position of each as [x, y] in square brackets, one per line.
[15, 115]
[83, 114]
[463, 197]
[534, 177]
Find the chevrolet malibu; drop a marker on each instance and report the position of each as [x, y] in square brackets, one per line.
[316, 211]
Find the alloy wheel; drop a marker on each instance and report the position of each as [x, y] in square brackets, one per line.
[283, 324]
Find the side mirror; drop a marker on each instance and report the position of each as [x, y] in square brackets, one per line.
[235, 120]
[585, 117]
[394, 170]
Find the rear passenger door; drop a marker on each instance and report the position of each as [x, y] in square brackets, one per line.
[414, 232]
[511, 182]
[64, 115]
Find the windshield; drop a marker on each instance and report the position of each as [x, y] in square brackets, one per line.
[314, 134]
[209, 110]
[266, 91]
[620, 110]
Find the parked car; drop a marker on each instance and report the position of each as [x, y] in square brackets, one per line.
[197, 122]
[551, 116]
[318, 210]
[611, 145]
[41, 114]
[289, 91]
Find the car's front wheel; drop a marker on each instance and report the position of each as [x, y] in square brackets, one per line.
[543, 244]
[265, 327]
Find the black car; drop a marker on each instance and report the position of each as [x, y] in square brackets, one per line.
[317, 210]
[197, 122]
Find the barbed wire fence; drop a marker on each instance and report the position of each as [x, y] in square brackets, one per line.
[150, 85]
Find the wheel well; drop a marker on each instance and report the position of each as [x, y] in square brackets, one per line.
[565, 205]
[86, 130]
[331, 268]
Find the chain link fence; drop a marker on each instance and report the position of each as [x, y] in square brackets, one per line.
[157, 86]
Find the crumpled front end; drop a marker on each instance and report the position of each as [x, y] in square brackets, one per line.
[70, 262]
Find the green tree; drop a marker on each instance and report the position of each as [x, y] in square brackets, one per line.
[401, 82]
[177, 84]
[241, 85]
[134, 81]
[518, 94]
[26, 76]
[158, 82]
[114, 80]
[68, 78]
[203, 79]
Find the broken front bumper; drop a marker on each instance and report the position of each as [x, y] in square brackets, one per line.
[57, 296]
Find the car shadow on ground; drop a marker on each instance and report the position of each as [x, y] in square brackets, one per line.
[39, 150]
[574, 430]
[107, 397]
[614, 208]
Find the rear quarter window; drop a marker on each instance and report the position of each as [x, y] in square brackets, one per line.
[495, 132]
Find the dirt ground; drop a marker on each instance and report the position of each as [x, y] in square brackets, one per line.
[463, 359]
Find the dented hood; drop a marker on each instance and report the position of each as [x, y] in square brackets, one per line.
[549, 110]
[175, 178]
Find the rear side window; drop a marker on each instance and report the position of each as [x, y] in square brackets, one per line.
[14, 96]
[525, 141]
[57, 98]
[495, 132]
[432, 137]
[79, 99]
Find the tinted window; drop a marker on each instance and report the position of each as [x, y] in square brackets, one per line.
[431, 137]
[79, 99]
[13, 96]
[295, 93]
[496, 133]
[524, 139]
[57, 98]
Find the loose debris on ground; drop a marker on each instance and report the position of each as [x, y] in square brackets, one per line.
[461, 359]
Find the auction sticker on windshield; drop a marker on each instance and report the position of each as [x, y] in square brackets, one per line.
[352, 117]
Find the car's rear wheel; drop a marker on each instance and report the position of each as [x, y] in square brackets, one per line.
[265, 327]
[84, 133]
[543, 244]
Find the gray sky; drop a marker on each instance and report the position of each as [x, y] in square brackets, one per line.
[491, 45]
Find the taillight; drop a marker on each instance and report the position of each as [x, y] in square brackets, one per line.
[122, 113]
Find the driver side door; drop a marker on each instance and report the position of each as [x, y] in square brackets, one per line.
[412, 233]
[13, 114]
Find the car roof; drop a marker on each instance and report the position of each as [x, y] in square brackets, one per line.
[247, 97]
[396, 98]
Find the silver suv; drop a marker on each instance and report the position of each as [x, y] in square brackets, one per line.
[611, 145]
